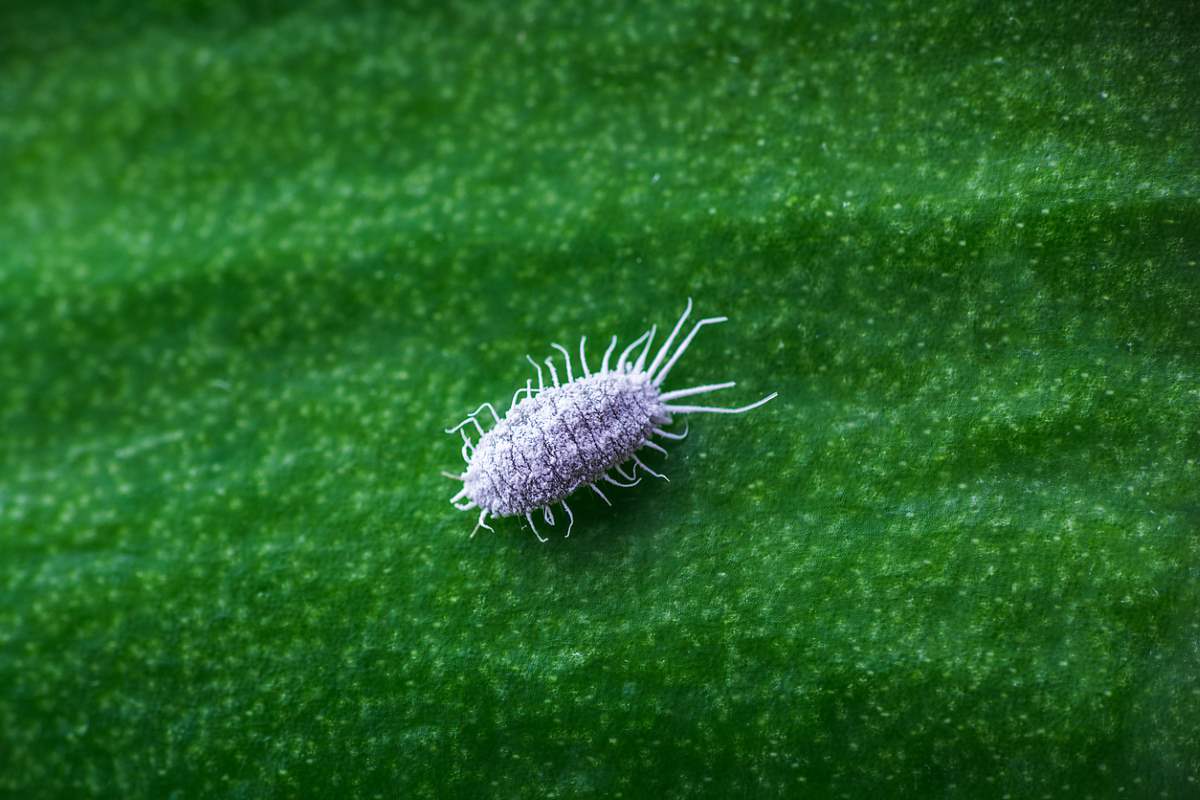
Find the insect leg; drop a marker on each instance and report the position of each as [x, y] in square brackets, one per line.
[524, 389]
[529, 519]
[621, 472]
[654, 446]
[468, 448]
[609, 478]
[596, 489]
[570, 517]
[471, 420]
[652, 472]
[482, 524]
[490, 408]
[673, 436]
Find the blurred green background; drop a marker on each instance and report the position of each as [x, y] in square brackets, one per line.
[255, 256]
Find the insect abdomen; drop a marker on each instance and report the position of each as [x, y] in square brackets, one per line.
[551, 444]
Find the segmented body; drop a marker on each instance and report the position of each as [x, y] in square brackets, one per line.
[560, 438]
[565, 437]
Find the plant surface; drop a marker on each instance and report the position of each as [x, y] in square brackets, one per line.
[255, 256]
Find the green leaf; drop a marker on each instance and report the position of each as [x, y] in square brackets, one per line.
[254, 257]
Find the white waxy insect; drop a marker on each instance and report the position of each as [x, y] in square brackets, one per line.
[559, 438]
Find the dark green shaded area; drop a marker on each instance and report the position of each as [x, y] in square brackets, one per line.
[255, 256]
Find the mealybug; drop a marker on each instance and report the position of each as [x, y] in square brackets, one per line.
[556, 439]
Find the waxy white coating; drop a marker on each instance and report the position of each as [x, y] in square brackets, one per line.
[549, 445]
[562, 437]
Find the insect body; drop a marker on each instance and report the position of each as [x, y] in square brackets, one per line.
[557, 439]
